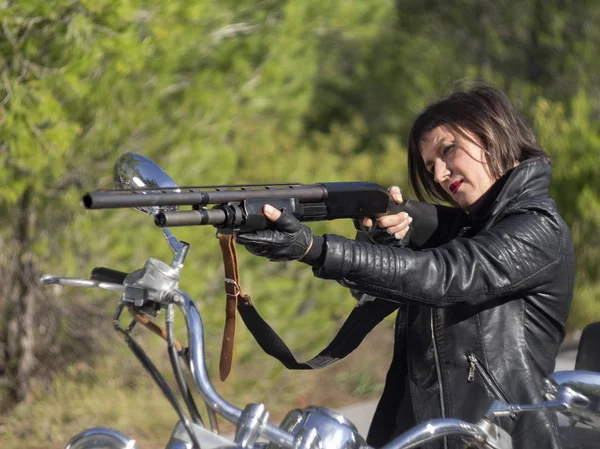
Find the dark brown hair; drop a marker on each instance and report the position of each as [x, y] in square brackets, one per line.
[486, 113]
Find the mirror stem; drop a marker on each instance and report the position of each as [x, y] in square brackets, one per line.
[180, 255]
[172, 240]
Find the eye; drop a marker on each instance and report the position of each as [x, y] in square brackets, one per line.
[448, 148]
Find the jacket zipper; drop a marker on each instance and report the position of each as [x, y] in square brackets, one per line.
[476, 366]
[438, 369]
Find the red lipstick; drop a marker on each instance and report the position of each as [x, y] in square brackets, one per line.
[455, 186]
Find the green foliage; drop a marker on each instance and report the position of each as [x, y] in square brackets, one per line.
[572, 137]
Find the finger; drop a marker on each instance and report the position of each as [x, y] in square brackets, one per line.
[402, 227]
[247, 238]
[396, 194]
[286, 222]
[257, 250]
[271, 213]
[387, 221]
[401, 234]
[367, 222]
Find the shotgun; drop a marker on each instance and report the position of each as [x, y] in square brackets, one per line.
[238, 208]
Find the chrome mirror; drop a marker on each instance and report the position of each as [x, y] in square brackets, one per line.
[579, 392]
[134, 171]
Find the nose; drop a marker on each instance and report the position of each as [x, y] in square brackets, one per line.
[440, 171]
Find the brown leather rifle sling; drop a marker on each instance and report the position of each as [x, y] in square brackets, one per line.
[363, 318]
[233, 294]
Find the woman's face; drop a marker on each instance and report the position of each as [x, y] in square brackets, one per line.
[458, 164]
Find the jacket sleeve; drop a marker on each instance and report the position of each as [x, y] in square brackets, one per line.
[512, 256]
[433, 224]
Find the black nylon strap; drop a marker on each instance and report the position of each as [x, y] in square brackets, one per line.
[363, 318]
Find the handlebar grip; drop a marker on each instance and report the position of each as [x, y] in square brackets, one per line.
[103, 274]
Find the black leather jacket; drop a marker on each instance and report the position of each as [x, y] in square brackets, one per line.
[483, 309]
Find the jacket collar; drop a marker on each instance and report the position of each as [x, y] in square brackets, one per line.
[530, 178]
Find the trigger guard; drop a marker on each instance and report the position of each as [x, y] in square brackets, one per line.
[368, 230]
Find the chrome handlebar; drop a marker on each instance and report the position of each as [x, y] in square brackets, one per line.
[484, 434]
[78, 282]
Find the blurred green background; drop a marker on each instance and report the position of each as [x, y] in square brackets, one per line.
[229, 91]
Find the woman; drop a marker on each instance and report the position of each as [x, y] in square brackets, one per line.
[484, 301]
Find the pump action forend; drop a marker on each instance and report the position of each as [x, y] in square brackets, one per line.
[239, 207]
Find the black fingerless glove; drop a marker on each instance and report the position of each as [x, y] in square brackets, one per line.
[286, 239]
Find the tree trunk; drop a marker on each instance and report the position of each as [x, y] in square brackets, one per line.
[18, 338]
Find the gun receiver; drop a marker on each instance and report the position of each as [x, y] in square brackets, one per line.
[239, 207]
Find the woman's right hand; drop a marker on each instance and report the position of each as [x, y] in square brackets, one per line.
[396, 224]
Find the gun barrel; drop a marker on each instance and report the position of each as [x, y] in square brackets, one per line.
[194, 196]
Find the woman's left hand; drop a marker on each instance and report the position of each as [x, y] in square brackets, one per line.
[396, 225]
[286, 239]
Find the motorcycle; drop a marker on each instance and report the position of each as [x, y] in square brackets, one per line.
[154, 288]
